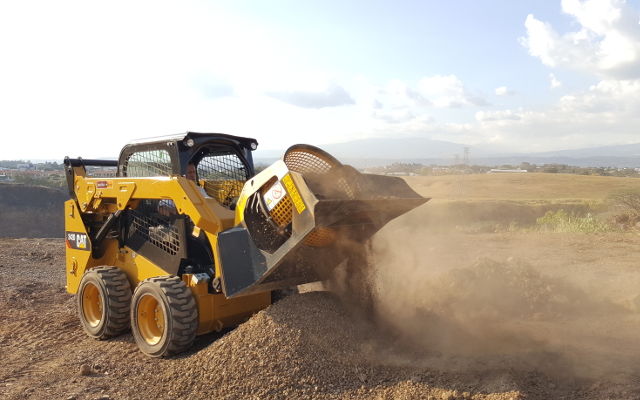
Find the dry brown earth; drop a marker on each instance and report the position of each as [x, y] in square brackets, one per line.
[31, 211]
[315, 345]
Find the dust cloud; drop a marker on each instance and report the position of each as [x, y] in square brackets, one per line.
[469, 301]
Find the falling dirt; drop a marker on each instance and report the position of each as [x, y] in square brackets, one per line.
[562, 305]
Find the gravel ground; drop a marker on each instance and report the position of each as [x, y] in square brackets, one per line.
[306, 346]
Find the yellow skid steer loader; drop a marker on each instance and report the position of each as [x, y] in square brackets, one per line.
[184, 238]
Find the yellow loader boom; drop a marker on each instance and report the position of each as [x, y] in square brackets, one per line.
[184, 238]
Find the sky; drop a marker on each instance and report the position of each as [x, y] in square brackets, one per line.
[83, 78]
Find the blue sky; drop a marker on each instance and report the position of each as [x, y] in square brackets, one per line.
[513, 75]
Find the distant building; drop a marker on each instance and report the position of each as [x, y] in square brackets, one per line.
[401, 173]
[5, 178]
[507, 171]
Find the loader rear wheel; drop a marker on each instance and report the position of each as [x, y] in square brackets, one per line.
[164, 316]
[104, 296]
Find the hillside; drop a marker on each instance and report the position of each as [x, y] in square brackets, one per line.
[31, 211]
[34, 211]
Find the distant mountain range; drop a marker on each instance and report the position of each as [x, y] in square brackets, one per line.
[383, 151]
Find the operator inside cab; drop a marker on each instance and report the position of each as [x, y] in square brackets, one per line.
[192, 175]
[168, 207]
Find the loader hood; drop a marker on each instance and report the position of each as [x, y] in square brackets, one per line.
[301, 217]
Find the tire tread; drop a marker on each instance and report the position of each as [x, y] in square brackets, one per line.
[118, 300]
[182, 310]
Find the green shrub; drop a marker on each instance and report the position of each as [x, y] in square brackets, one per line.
[561, 221]
[50, 181]
[625, 206]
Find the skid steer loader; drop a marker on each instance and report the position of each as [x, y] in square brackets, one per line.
[185, 238]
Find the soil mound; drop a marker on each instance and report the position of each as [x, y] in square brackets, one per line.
[31, 211]
[307, 346]
[310, 346]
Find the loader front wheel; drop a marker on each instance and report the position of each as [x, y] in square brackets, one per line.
[104, 296]
[164, 316]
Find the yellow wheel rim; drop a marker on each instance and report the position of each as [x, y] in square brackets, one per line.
[150, 319]
[92, 305]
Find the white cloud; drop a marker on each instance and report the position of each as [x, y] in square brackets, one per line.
[448, 91]
[501, 115]
[554, 82]
[74, 73]
[620, 99]
[332, 96]
[395, 116]
[75, 69]
[398, 94]
[607, 43]
[404, 108]
[541, 40]
[596, 15]
[504, 91]
[606, 113]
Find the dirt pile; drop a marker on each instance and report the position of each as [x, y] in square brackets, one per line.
[306, 346]
[31, 211]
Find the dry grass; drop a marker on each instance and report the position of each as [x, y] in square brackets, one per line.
[529, 187]
[499, 202]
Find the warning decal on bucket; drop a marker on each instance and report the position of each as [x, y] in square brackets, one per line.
[274, 195]
[293, 192]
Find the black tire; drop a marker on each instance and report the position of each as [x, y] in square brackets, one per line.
[103, 302]
[164, 316]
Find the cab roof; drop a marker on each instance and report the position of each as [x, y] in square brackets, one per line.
[198, 137]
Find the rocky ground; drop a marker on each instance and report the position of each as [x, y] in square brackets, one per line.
[317, 345]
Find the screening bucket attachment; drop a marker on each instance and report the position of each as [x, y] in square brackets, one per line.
[301, 217]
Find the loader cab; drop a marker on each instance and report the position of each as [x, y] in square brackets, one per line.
[223, 163]
[223, 157]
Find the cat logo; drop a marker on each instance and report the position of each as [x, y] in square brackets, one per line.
[77, 240]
